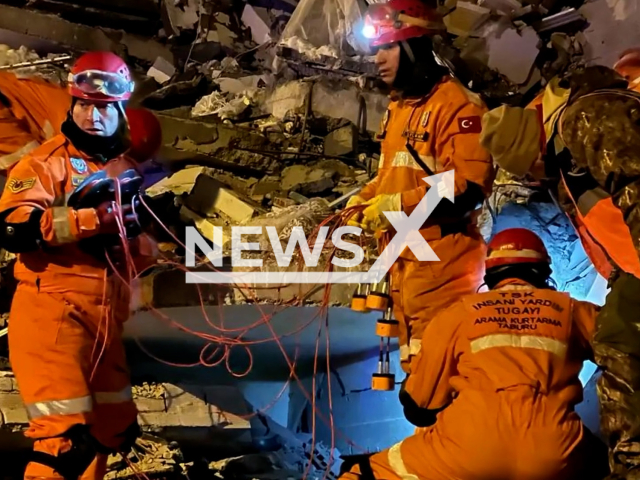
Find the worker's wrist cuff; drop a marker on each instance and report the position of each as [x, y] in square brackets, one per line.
[88, 222]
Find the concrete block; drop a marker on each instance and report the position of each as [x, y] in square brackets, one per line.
[12, 409]
[149, 405]
[342, 141]
[7, 384]
[266, 185]
[209, 196]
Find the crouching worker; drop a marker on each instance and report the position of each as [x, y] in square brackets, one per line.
[496, 382]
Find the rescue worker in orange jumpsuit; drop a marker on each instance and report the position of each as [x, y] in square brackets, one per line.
[31, 112]
[495, 384]
[67, 313]
[432, 125]
[586, 133]
[628, 65]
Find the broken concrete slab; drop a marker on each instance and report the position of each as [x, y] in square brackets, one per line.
[287, 98]
[80, 37]
[260, 26]
[182, 14]
[179, 183]
[198, 406]
[266, 185]
[217, 144]
[204, 225]
[466, 18]
[307, 180]
[341, 100]
[209, 196]
[513, 53]
[505, 7]
[342, 141]
[161, 71]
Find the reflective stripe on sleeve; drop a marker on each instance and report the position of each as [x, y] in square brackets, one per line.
[61, 228]
[411, 350]
[71, 406]
[415, 345]
[122, 396]
[519, 341]
[397, 464]
[404, 352]
[7, 160]
[404, 159]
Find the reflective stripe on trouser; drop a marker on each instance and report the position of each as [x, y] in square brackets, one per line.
[419, 290]
[53, 350]
[617, 352]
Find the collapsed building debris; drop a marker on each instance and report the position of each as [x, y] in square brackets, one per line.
[196, 432]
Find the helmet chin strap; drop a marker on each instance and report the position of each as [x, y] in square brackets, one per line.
[407, 49]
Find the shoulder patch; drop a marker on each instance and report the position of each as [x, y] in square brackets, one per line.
[77, 180]
[16, 185]
[79, 165]
[470, 124]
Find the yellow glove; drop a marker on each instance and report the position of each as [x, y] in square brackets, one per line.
[356, 218]
[374, 219]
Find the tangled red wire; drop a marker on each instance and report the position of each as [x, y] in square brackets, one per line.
[221, 343]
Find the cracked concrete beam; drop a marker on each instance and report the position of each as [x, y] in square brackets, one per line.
[80, 37]
[185, 138]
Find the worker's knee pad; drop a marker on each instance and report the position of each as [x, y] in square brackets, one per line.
[74, 462]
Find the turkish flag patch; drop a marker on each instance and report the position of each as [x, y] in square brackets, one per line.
[470, 124]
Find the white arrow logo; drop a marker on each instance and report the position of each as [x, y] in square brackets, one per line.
[407, 236]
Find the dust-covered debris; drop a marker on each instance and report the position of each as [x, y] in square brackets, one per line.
[152, 457]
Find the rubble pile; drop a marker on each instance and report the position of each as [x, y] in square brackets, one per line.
[151, 457]
[24, 62]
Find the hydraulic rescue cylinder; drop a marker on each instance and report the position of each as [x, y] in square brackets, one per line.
[386, 328]
[378, 297]
[359, 299]
[383, 379]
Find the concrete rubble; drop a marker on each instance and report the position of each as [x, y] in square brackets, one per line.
[188, 430]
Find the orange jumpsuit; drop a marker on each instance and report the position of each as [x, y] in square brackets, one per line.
[501, 368]
[444, 129]
[31, 112]
[66, 317]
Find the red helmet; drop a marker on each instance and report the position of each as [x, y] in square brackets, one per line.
[145, 133]
[100, 76]
[514, 246]
[400, 20]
